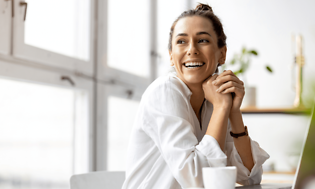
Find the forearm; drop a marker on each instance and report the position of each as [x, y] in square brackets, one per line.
[242, 144]
[217, 127]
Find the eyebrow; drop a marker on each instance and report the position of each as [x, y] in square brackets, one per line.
[199, 33]
[203, 32]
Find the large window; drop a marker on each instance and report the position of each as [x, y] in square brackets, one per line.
[46, 92]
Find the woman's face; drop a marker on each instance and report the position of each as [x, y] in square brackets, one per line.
[195, 53]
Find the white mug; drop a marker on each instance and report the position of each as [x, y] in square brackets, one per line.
[219, 177]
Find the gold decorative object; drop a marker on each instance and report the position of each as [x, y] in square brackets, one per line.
[299, 63]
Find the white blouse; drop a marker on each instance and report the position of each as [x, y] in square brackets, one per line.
[168, 149]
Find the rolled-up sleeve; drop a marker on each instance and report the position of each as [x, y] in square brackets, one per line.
[244, 176]
[210, 148]
[173, 134]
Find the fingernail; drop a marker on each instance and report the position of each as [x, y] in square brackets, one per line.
[214, 82]
[217, 90]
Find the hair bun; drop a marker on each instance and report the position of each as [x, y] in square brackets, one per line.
[203, 7]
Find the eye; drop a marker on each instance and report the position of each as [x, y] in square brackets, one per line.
[180, 41]
[203, 41]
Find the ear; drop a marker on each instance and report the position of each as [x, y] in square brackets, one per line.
[171, 58]
[222, 55]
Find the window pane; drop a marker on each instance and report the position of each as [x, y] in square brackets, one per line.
[121, 115]
[128, 36]
[61, 26]
[37, 139]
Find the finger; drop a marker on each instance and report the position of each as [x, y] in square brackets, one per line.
[228, 85]
[236, 90]
[226, 78]
[227, 72]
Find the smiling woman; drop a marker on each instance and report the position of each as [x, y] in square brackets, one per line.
[191, 118]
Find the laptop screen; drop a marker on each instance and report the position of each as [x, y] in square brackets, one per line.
[306, 171]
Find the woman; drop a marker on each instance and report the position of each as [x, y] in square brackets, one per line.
[185, 118]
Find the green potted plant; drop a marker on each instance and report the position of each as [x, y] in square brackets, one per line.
[242, 62]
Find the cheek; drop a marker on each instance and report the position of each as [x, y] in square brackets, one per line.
[212, 57]
[178, 55]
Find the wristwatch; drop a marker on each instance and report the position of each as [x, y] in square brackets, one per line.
[236, 135]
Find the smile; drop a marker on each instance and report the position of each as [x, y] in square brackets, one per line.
[193, 64]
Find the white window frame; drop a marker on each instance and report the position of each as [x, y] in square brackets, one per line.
[14, 70]
[45, 57]
[6, 27]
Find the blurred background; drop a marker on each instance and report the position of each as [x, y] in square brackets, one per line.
[72, 73]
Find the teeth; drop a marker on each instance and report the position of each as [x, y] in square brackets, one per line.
[194, 64]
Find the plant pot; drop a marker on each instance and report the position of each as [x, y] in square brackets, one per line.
[249, 100]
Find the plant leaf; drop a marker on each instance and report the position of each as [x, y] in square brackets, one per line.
[269, 69]
[238, 72]
[254, 52]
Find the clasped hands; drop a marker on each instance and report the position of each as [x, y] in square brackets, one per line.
[224, 91]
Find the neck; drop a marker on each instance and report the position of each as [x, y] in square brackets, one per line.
[196, 89]
[197, 97]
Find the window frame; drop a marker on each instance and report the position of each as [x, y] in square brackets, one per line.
[32, 65]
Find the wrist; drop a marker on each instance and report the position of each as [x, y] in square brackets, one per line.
[235, 112]
[222, 110]
[223, 106]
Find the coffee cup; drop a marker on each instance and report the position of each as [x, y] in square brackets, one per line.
[219, 177]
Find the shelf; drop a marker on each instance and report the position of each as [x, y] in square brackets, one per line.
[255, 110]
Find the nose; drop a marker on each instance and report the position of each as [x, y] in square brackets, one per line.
[193, 50]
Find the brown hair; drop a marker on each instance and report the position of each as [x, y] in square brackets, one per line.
[205, 11]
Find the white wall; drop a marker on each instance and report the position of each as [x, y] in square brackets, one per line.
[281, 136]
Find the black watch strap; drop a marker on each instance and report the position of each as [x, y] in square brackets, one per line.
[236, 135]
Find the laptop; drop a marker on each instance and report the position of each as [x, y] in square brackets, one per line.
[305, 174]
